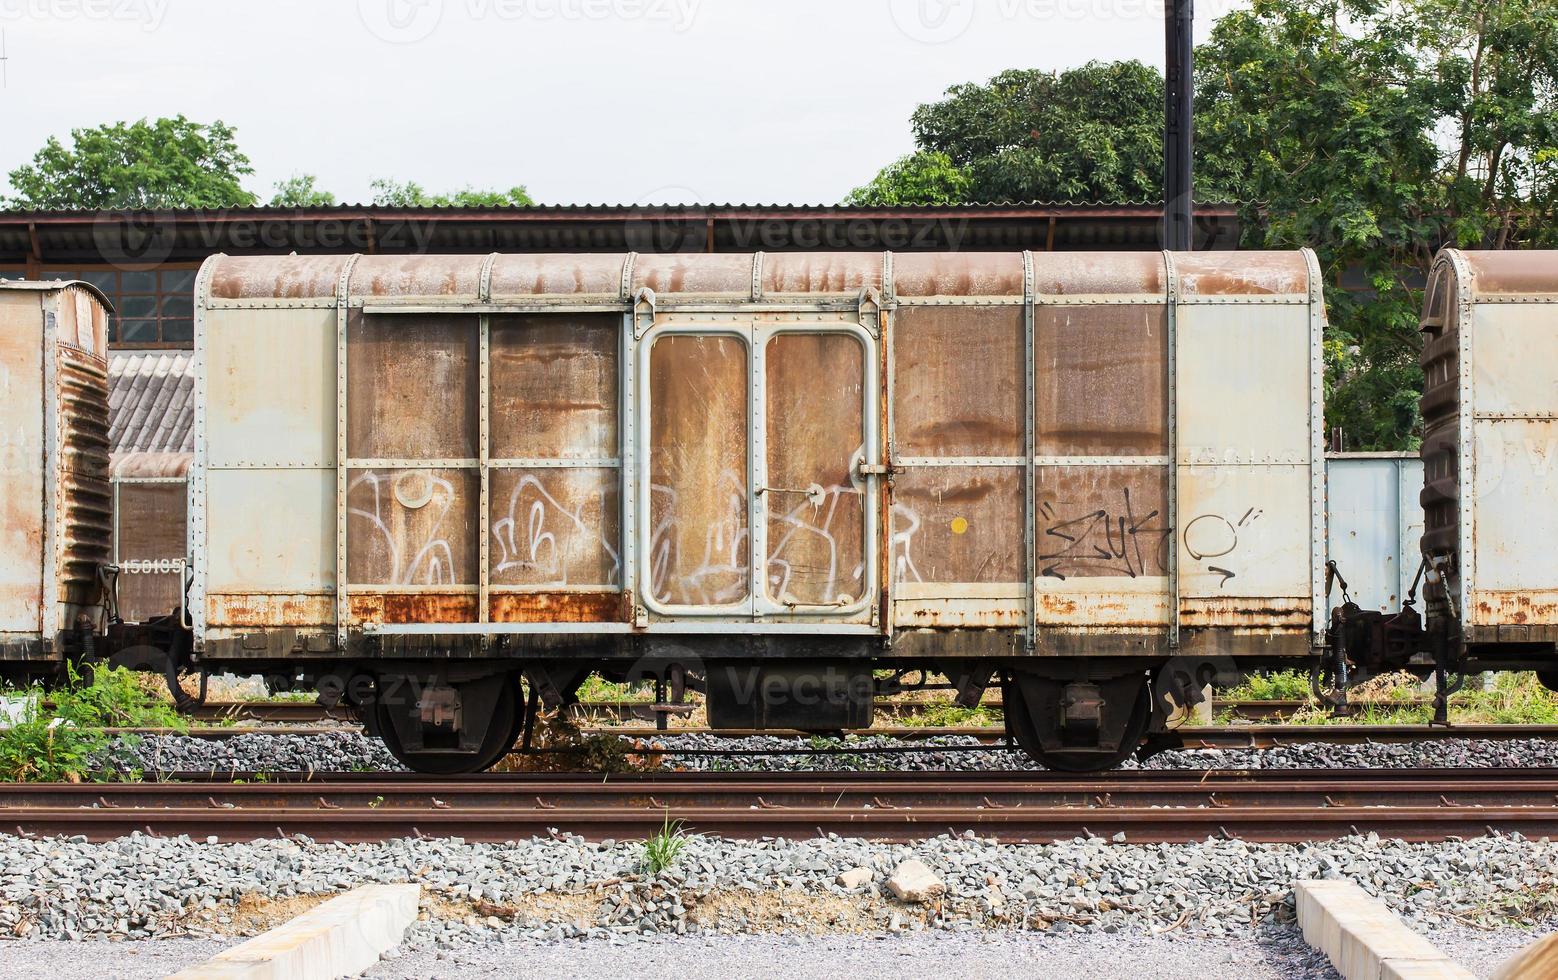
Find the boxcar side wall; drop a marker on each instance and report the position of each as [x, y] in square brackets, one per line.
[972, 454]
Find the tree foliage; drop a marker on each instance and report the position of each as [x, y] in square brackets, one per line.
[300, 191]
[926, 177]
[165, 163]
[1378, 134]
[410, 194]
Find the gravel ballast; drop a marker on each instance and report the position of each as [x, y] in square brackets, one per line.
[351, 750]
[565, 888]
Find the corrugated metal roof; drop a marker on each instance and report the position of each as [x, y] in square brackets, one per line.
[151, 403]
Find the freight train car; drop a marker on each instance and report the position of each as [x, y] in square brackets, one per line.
[775, 475]
[796, 481]
[54, 495]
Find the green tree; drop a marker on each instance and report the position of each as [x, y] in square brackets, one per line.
[1092, 133]
[410, 194]
[165, 163]
[299, 191]
[926, 177]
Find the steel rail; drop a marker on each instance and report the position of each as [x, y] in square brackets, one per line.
[1147, 806]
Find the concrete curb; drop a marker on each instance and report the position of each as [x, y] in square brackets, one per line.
[1364, 939]
[341, 937]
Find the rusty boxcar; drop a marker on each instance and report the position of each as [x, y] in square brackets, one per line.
[54, 470]
[772, 473]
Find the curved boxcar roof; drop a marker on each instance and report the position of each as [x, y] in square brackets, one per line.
[1502, 273]
[752, 276]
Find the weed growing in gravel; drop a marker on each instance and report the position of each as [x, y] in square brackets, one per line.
[661, 850]
[62, 730]
[1276, 685]
[1401, 699]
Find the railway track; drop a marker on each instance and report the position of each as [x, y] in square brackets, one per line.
[1146, 806]
[307, 712]
[1257, 736]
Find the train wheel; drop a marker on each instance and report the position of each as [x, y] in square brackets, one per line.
[1081, 726]
[393, 721]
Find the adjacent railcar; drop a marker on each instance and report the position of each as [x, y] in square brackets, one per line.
[771, 475]
[53, 471]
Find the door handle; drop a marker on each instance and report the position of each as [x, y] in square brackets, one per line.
[814, 494]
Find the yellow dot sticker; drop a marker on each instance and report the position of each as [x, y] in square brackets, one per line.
[959, 525]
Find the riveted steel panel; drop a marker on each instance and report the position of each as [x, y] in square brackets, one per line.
[816, 504]
[1064, 274]
[1103, 546]
[699, 543]
[1243, 381]
[590, 274]
[1242, 273]
[1516, 466]
[411, 527]
[1514, 271]
[1510, 375]
[923, 274]
[1101, 380]
[695, 273]
[554, 384]
[957, 525]
[449, 276]
[294, 277]
[1374, 525]
[22, 461]
[411, 387]
[270, 388]
[1244, 532]
[556, 529]
[269, 531]
[844, 273]
[958, 381]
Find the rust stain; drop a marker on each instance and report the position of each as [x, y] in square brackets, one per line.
[695, 273]
[1514, 271]
[417, 275]
[556, 275]
[558, 607]
[269, 609]
[958, 380]
[1097, 273]
[821, 272]
[411, 607]
[958, 273]
[1241, 273]
[1249, 613]
[276, 277]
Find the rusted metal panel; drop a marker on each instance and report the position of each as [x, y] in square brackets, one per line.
[702, 274]
[957, 525]
[843, 273]
[252, 608]
[1275, 614]
[1061, 274]
[445, 276]
[958, 381]
[816, 547]
[150, 523]
[1516, 523]
[1242, 273]
[555, 528]
[554, 386]
[699, 543]
[1102, 522]
[558, 607]
[592, 274]
[1507, 271]
[412, 607]
[411, 387]
[275, 277]
[411, 527]
[919, 274]
[22, 462]
[1101, 380]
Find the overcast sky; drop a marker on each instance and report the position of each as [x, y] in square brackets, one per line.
[583, 101]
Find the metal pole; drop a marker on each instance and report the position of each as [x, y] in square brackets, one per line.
[1178, 86]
